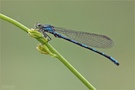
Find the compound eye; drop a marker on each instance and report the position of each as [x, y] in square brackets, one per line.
[38, 26]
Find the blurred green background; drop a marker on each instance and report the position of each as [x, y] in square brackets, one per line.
[24, 68]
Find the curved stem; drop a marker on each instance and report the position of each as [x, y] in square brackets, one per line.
[14, 22]
[49, 49]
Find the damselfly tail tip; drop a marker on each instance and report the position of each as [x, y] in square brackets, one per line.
[117, 64]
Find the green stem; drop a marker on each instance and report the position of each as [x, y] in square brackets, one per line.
[59, 56]
[14, 22]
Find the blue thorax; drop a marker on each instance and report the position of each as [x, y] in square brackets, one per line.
[48, 28]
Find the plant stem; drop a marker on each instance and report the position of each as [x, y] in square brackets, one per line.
[14, 22]
[59, 56]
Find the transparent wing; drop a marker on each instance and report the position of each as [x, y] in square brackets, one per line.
[90, 39]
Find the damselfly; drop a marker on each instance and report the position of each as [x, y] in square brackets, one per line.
[83, 39]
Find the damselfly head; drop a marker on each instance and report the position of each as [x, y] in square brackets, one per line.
[38, 26]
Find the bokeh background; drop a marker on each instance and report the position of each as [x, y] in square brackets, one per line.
[24, 68]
